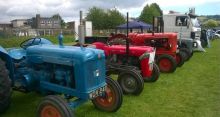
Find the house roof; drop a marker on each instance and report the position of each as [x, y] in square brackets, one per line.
[19, 20]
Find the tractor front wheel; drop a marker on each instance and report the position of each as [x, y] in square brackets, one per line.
[112, 99]
[180, 58]
[5, 88]
[155, 74]
[54, 106]
[166, 63]
[187, 53]
[131, 82]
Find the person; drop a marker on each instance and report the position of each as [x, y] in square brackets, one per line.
[185, 22]
[179, 23]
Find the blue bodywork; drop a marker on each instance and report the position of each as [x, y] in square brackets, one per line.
[44, 67]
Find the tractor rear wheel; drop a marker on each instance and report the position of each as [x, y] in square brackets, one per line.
[166, 63]
[112, 99]
[187, 53]
[131, 82]
[5, 88]
[155, 74]
[54, 106]
[180, 58]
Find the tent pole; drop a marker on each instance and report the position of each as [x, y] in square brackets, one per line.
[127, 41]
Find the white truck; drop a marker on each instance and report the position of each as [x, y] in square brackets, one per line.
[187, 26]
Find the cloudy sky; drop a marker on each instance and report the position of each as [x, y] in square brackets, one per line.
[69, 9]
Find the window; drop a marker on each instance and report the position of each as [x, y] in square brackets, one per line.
[181, 21]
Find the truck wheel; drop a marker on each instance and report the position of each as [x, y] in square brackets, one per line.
[203, 43]
[180, 58]
[131, 82]
[54, 106]
[5, 88]
[112, 100]
[166, 63]
[155, 74]
[187, 53]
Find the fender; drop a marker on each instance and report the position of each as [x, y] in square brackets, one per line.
[9, 63]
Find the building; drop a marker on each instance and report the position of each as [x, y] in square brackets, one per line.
[39, 22]
[19, 23]
[36, 25]
[70, 25]
[4, 27]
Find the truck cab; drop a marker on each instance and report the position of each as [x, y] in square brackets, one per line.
[188, 28]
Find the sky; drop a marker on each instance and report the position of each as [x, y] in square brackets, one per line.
[69, 9]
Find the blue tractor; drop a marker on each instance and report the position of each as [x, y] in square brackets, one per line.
[67, 75]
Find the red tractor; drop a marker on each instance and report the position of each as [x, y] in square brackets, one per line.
[140, 57]
[167, 55]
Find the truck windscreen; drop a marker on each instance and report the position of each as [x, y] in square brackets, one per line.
[195, 22]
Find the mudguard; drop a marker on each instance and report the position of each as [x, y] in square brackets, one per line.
[2, 50]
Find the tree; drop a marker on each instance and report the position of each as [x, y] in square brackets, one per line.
[102, 19]
[157, 8]
[97, 16]
[210, 23]
[62, 23]
[114, 18]
[149, 11]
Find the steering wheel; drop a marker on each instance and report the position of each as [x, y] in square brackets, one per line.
[118, 39]
[30, 42]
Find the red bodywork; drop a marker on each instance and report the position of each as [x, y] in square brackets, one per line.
[135, 51]
[168, 42]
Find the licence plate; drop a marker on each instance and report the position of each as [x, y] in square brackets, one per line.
[97, 92]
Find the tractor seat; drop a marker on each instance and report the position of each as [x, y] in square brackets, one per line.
[17, 54]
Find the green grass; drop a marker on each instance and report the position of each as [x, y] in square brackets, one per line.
[192, 91]
[15, 41]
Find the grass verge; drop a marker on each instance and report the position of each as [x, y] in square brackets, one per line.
[192, 91]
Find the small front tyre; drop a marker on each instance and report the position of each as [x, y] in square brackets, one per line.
[131, 82]
[180, 58]
[112, 99]
[54, 106]
[187, 52]
[166, 63]
[155, 74]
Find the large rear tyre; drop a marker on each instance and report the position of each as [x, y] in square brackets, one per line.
[131, 82]
[166, 63]
[187, 53]
[155, 74]
[5, 88]
[112, 99]
[180, 58]
[54, 106]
